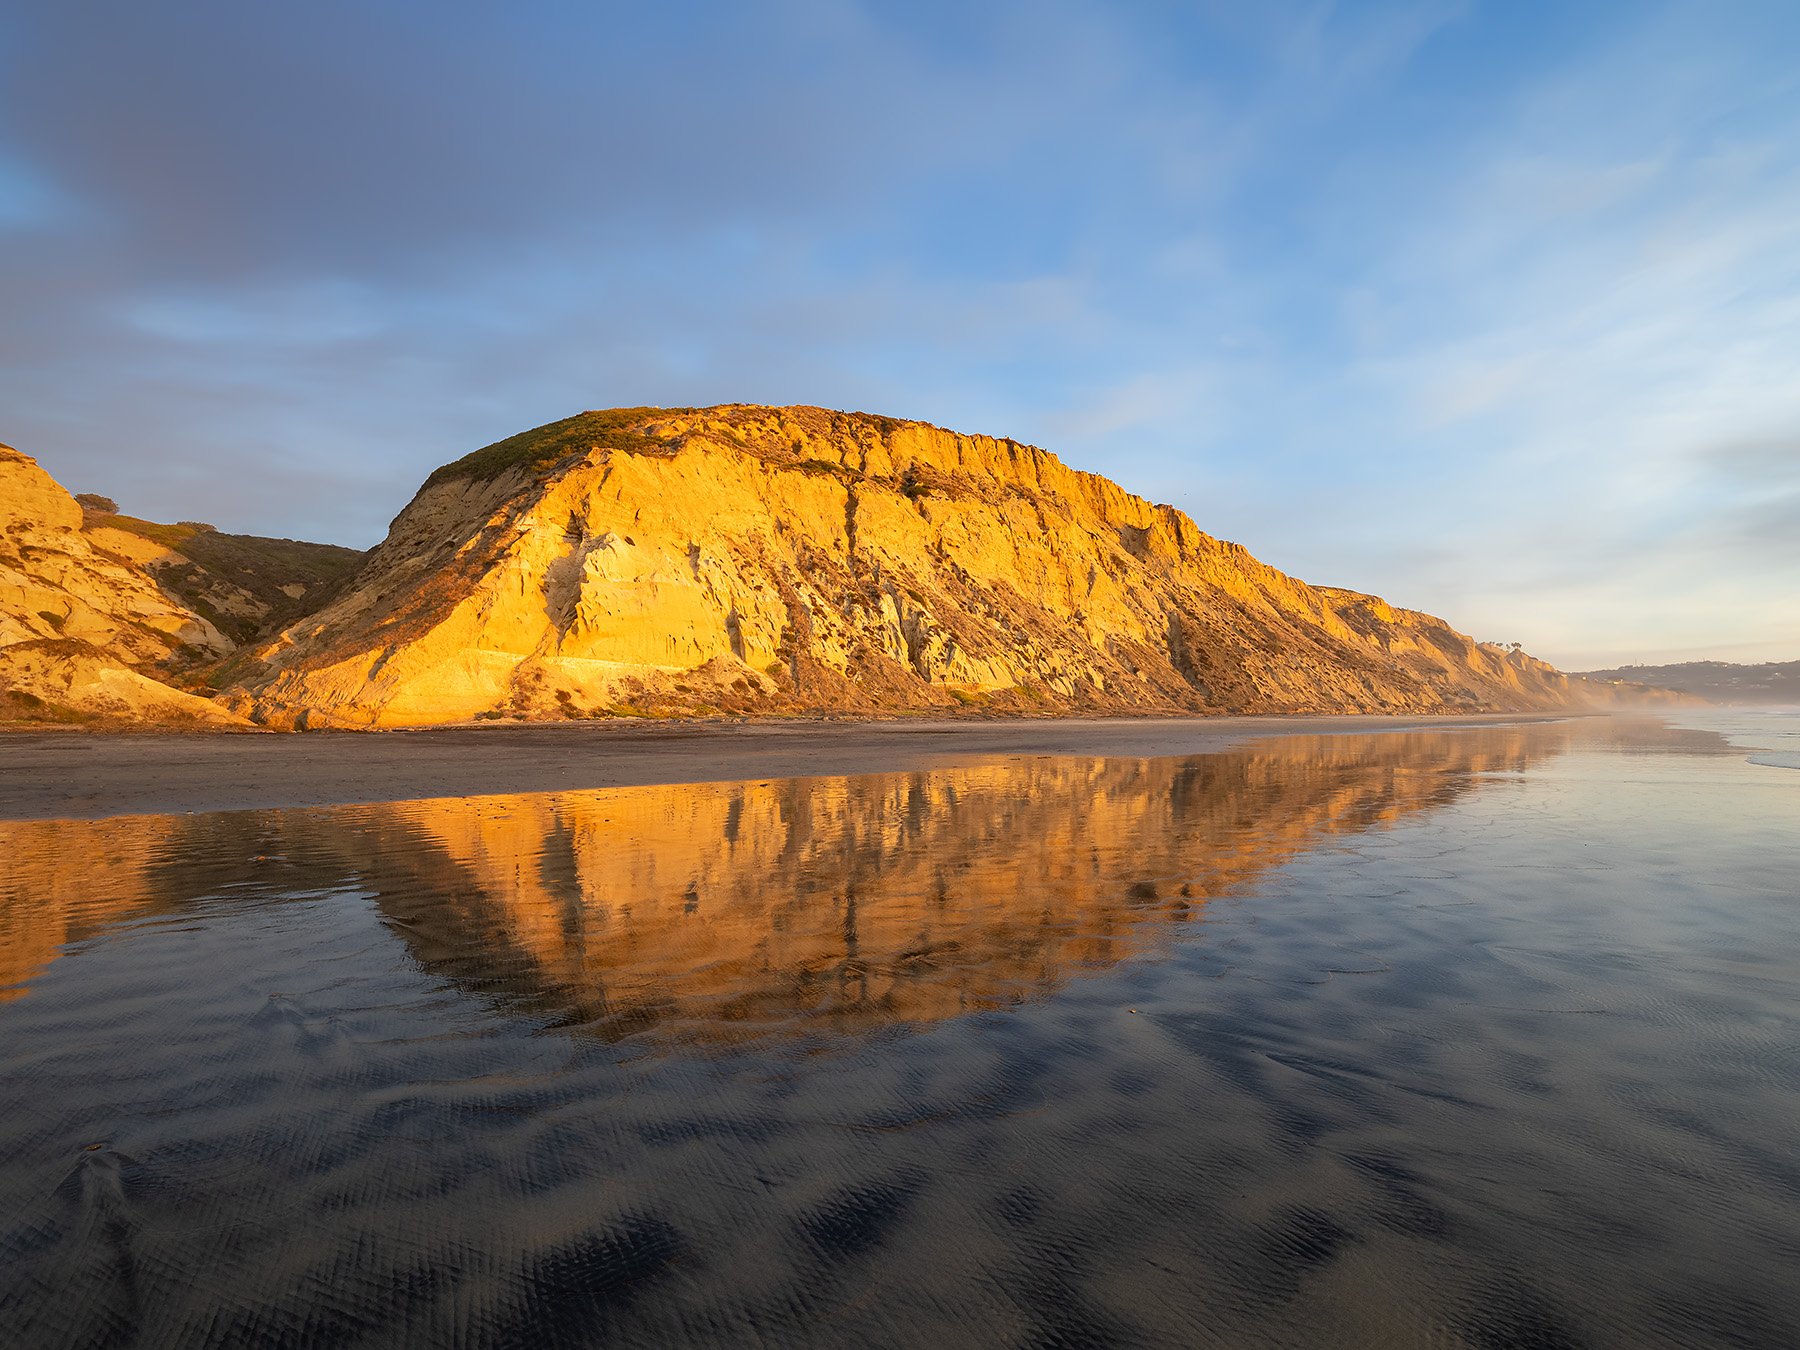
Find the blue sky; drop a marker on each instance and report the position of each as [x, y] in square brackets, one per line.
[1490, 308]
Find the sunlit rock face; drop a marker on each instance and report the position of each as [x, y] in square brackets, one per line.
[718, 911]
[740, 558]
[83, 628]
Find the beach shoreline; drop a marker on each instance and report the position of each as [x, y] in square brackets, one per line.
[54, 775]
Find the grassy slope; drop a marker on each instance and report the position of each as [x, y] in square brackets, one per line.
[255, 564]
[607, 430]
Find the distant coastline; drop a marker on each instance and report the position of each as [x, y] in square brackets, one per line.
[1770, 682]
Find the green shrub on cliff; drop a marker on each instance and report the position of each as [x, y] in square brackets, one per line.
[606, 430]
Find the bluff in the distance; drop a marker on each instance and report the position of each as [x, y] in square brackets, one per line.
[751, 559]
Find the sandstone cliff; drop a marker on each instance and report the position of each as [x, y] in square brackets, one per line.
[746, 558]
[84, 630]
[734, 559]
[107, 616]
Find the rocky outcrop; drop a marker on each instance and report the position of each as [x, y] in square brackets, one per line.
[736, 559]
[57, 581]
[66, 679]
[103, 615]
[84, 630]
[747, 558]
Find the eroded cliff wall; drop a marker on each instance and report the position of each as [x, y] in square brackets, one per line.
[732, 559]
[750, 558]
[111, 619]
[84, 630]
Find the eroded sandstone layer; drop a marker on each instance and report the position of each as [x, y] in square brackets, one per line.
[747, 558]
[84, 629]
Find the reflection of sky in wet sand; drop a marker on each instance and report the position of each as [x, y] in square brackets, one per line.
[1456, 1041]
[837, 902]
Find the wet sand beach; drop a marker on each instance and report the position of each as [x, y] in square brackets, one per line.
[69, 775]
[1436, 1040]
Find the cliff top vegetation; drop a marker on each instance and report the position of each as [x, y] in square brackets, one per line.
[609, 429]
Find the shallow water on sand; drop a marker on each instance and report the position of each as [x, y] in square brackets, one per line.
[1483, 1038]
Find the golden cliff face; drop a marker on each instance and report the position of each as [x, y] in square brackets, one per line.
[716, 911]
[748, 558]
[81, 624]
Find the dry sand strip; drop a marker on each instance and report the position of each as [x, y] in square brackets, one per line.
[62, 775]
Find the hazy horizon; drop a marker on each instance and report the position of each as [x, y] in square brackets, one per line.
[1487, 309]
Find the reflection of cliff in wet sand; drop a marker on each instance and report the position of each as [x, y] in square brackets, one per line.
[831, 902]
[858, 901]
[65, 880]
